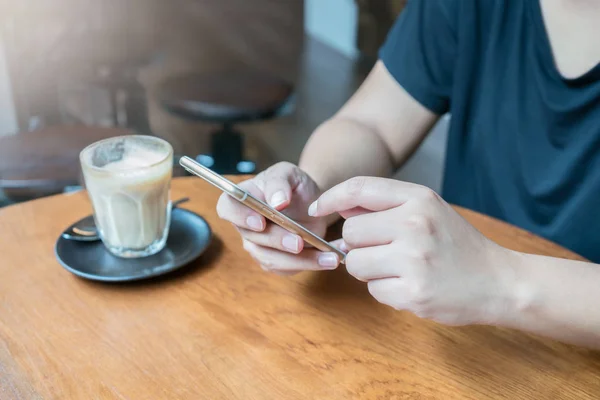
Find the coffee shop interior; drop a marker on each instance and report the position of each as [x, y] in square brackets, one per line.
[123, 276]
[236, 84]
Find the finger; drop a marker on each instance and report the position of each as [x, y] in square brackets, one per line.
[372, 229]
[375, 194]
[373, 263]
[384, 227]
[308, 260]
[278, 183]
[280, 273]
[340, 245]
[240, 215]
[275, 237]
[390, 291]
[354, 212]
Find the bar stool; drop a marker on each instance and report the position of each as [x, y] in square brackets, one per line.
[225, 98]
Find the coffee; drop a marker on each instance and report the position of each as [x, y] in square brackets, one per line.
[128, 181]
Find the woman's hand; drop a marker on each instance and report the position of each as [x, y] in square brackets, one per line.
[417, 253]
[286, 188]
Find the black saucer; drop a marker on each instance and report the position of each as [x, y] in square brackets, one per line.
[189, 236]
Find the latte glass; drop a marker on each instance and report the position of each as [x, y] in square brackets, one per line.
[128, 181]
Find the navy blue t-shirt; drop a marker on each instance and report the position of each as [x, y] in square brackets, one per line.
[524, 142]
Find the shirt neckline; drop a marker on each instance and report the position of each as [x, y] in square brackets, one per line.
[589, 76]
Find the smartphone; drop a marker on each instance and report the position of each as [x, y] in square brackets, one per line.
[260, 207]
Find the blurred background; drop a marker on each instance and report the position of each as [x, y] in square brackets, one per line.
[239, 84]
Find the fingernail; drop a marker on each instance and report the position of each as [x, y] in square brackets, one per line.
[255, 223]
[328, 260]
[344, 247]
[291, 242]
[312, 210]
[278, 199]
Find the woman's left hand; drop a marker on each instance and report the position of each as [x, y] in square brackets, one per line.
[417, 254]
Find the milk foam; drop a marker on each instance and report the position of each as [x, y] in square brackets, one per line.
[135, 157]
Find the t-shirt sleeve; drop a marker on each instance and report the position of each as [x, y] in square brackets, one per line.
[420, 51]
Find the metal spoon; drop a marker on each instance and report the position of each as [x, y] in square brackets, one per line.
[85, 229]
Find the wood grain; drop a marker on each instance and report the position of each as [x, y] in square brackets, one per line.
[224, 329]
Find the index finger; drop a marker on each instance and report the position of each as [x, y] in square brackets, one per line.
[373, 194]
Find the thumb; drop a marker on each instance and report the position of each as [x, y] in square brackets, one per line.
[278, 193]
[278, 183]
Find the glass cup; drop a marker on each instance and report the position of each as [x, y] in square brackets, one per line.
[128, 181]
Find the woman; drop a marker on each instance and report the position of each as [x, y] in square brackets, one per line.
[522, 82]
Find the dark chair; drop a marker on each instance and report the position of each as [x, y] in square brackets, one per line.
[227, 99]
[46, 161]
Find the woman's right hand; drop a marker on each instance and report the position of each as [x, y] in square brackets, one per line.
[290, 190]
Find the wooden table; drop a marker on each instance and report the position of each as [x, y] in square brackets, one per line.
[224, 329]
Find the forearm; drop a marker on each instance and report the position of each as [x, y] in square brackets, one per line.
[341, 149]
[555, 298]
